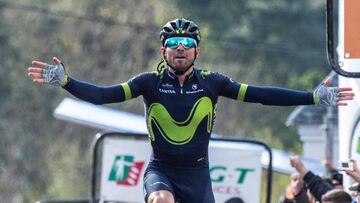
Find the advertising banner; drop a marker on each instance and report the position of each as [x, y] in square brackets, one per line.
[123, 166]
[235, 172]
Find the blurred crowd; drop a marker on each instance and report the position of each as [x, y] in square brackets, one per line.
[307, 187]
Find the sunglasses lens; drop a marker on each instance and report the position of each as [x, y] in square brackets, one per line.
[174, 42]
[189, 43]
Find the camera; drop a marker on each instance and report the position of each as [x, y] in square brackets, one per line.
[346, 165]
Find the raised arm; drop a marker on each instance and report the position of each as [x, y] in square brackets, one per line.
[314, 183]
[277, 96]
[323, 95]
[43, 73]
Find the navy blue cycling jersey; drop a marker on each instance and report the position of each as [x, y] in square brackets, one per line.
[180, 117]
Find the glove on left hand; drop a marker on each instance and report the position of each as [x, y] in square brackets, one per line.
[326, 96]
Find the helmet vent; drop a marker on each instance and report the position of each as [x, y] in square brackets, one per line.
[193, 29]
[167, 29]
[180, 22]
[186, 25]
[173, 25]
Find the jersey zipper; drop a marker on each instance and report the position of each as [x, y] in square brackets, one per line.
[181, 88]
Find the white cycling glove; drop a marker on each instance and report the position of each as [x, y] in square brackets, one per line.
[326, 96]
[55, 75]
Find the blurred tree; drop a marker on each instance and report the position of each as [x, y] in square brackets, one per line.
[102, 42]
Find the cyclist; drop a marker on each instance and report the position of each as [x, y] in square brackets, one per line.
[180, 103]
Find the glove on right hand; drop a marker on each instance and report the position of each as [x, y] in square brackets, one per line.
[55, 75]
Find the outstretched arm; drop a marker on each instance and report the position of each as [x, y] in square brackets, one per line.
[96, 94]
[323, 95]
[43, 73]
[277, 96]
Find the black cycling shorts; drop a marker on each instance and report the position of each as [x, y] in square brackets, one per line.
[186, 185]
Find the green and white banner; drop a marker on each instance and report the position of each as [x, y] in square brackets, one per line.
[123, 165]
[235, 171]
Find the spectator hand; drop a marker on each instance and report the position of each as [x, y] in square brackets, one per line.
[296, 163]
[328, 165]
[355, 173]
[297, 183]
[44, 73]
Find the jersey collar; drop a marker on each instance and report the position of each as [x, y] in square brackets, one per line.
[173, 76]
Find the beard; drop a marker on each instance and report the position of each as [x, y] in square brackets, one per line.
[181, 64]
[180, 68]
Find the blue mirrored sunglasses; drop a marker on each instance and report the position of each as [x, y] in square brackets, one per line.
[174, 42]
